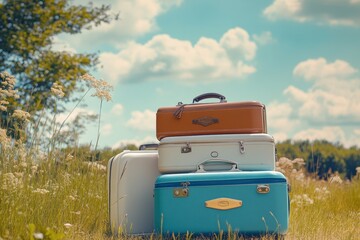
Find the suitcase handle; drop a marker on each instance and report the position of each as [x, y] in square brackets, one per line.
[201, 166]
[209, 95]
[149, 146]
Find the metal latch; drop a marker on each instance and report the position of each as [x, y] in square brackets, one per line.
[242, 147]
[186, 149]
[183, 191]
[263, 188]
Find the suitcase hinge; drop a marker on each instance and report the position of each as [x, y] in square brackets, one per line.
[264, 188]
[179, 111]
[186, 149]
[242, 147]
[181, 192]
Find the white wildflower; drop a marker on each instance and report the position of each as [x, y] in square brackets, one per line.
[302, 200]
[67, 178]
[321, 193]
[23, 164]
[34, 169]
[57, 90]
[18, 174]
[68, 225]
[69, 157]
[76, 213]
[300, 176]
[95, 166]
[336, 179]
[72, 197]
[298, 162]
[7, 87]
[101, 87]
[20, 114]
[7, 79]
[21, 153]
[4, 140]
[38, 235]
[41, 191]
[11, 182]
[3, 105]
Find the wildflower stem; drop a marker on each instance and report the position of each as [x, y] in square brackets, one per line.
[56, 132]
[98, 135]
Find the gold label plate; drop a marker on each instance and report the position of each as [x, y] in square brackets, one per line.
[223, 203]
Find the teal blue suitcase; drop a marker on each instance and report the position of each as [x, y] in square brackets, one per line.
[244, 203]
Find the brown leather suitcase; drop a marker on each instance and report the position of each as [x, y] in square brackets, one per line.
[211, 118]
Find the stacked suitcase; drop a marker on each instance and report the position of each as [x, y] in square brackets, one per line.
[215, 171]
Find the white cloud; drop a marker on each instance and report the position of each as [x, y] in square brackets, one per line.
[334, 95]
[117, 109]
[279, 117]
[136, 18]
[280, 120]
[69, 118]
[284, 9]
[297, 94]
[143, 120]
[331, 134]
[331, 12]
[325, 109]
[315, 69]
[136, 142]
[280, 136]
[164, 57]
[106, 129]
[263, 38]
[238, 45]
[61, 45]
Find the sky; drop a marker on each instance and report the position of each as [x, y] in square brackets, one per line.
[298, 57]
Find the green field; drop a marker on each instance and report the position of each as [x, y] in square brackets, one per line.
[66, 198]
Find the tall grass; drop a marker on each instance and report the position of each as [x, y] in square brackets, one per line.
[67, 199]
[64, 197]
[321, 210]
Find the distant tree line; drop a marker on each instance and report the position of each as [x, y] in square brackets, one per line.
[322, 158]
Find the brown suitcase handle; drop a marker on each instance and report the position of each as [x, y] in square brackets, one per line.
[209, 95]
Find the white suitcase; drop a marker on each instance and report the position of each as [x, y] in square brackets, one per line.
[250, 152]
[131, 176]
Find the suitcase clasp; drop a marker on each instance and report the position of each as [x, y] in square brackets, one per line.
[264, 188]
[181, 192]
[186, 149]
[242, 147]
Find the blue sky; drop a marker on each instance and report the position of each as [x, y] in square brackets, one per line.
[298, 57]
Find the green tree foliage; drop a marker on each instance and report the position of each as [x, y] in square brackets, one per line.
[27, 31]
[322, 157]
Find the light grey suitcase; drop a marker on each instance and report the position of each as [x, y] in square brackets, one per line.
[251, 152]
[131, 176]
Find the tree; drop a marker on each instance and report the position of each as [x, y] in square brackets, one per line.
[27, 31]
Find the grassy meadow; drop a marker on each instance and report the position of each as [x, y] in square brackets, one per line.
[67, 199]
[49, 188]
